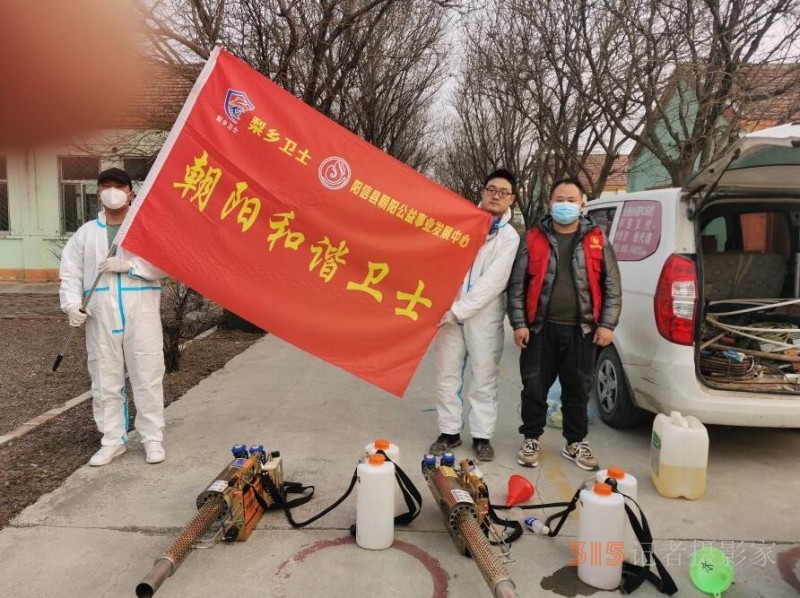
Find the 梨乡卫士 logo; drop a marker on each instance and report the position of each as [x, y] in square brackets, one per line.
[236, 104]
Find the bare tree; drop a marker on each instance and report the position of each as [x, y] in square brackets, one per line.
[552, 75]
[490, 133]
[371, 65]
[548, 87]
[695, 73]
[522, 103]
[184, 314]
[389, 97]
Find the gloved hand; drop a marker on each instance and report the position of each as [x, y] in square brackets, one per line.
[76, 316]
[448, 318]
[115, 264]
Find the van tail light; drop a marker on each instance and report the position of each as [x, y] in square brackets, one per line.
[676, 299]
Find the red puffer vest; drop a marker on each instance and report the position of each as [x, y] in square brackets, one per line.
[539, 258]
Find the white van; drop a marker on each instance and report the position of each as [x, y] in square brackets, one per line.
[710, 322]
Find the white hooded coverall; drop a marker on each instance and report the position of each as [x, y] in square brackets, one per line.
[123, 330]
[477, 340]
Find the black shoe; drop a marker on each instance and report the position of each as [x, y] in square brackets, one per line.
[444, 443]
[483, 449]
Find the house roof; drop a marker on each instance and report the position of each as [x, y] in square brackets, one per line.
[767, 95]
[762, 96]
[158, 94]
[618, 178]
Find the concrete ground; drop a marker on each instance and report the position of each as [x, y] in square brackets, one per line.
[100, 532]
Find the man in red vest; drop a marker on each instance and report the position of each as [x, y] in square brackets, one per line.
[564, 300]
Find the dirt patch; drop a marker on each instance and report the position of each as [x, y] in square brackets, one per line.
[40, 461]
[28, 386]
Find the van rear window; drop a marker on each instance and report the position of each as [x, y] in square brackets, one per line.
[638, 231]
[760, 232]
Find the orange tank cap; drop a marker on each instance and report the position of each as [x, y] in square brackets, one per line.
[377, 459]
[616, 472]
[602, 489]
[381, 444]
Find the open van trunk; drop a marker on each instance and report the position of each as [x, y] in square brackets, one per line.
[749, 321]
[746, 208]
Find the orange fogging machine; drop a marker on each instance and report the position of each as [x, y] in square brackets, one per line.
[228, 510]
[463, 499]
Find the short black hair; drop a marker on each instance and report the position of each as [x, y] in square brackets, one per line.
[503, 173]
[116, 175]
[567, 181]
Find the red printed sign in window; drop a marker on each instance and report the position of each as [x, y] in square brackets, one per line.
[638, 231]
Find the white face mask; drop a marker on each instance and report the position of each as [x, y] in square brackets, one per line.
[113, 198]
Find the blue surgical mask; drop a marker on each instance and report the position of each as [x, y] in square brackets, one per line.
[565, 212]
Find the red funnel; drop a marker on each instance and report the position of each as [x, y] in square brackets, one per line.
[519, 490]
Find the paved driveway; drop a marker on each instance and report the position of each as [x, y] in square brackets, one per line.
[99, 533]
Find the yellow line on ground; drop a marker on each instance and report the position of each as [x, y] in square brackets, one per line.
[551, 468]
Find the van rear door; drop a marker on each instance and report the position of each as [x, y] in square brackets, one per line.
[764, 163]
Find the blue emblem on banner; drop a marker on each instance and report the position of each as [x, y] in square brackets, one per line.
[236, 104]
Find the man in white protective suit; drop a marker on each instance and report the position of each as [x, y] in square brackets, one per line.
[470, 338]
[123, 324]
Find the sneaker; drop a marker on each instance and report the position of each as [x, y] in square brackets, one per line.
[107, 454]
[529, 453]
[154, 451]
[444, 443]
[483, 449]
[581, 453]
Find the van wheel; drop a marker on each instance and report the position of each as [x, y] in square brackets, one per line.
[613, 396]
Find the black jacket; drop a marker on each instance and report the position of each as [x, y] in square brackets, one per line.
[610, 285]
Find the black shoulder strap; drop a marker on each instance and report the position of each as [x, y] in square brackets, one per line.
[411, 495]
[635, 575]
[514, 526]
[279, 496]
[561, 516]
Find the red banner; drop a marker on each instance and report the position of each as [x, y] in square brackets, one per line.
[287, 219]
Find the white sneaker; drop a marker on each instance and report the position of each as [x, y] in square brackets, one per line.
[107, 454]
[154, 451]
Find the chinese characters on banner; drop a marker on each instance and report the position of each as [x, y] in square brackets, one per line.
[290, 221]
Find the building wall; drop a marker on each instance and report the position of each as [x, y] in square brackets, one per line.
[33, 197]
[610, 191]
[30, 250]
[645, 170]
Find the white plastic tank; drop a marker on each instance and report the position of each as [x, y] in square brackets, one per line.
[679, 456]
[375, 503]
[601, 537]
[393, 452]
[628, 485]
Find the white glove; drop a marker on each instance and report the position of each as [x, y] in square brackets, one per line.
[76, 316]
[448, 318]
[115, 264]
